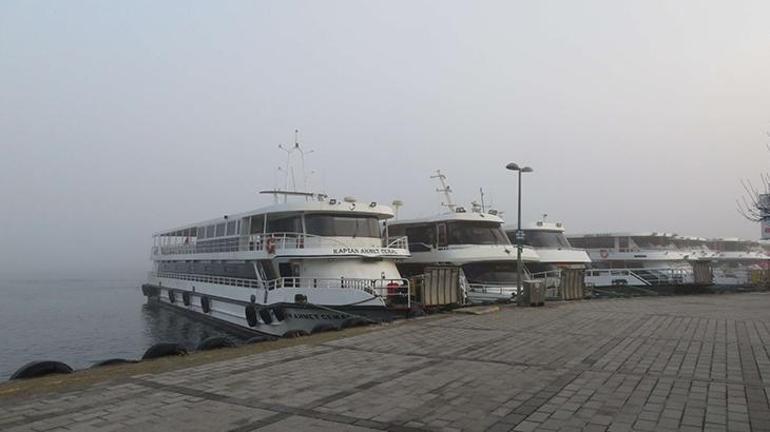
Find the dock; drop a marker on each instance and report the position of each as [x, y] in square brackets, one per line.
[690, 363]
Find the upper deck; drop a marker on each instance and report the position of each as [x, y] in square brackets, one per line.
[313, 226]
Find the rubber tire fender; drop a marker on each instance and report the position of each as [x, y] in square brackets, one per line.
[251, 315]
[265, 315]
[40, 368]
[205, 304]
[279, 313]
[113, 362]
[164, 349]
[171, 296]
[186, 298]
[215, 342]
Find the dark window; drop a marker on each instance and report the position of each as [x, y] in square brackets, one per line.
[342, 225]
[201, 232]
[210, 231]
[257, 224]
[491, 272]
[220, 230]
[578, 242]
[468, 232]
[594, 243]
[542, 239]
[231, 228]
[290, 224]
[421, 237]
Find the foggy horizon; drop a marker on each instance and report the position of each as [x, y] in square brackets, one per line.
[120, 120]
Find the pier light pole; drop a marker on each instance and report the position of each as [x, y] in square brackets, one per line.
[519, 233]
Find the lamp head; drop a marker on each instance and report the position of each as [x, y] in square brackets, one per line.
[512, 166]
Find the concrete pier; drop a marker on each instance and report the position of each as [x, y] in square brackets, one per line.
[647, 364]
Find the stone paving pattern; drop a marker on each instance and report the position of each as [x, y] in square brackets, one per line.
[648, 364]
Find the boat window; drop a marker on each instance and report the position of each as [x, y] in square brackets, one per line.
[342, 225]
[201, 232]
[396, 230]
[284, 224]
[578, 242]
[231, 228]
[421, 237]
[257, 224]
[491, 272]
[220, 230]
[472, 232]
[594, 243]
[542, 239]
[650, 242]
[623, 244]
[210, 231]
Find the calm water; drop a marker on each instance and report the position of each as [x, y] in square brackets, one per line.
[80, 322]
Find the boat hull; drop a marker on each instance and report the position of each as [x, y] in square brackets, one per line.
[277, 319]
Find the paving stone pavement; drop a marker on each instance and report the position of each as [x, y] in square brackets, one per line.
[646, 364]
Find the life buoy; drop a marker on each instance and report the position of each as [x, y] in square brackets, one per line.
[270, 245]
[393, 288]
[205, 304]
[604, 253]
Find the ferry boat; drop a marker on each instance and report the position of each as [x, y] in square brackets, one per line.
[638, 259]
[558, 260]
[306, 263]
[473, 241]
[735, 261]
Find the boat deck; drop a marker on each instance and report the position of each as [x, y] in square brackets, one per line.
[650, 364]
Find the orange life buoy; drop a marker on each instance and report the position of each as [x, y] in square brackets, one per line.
[270, 245]
[604, 253]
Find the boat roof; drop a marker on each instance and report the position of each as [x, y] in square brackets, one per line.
[298, 202]
[625, 234]
[538, 226]
[450, 217]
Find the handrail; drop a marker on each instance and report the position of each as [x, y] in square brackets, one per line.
[380, 287]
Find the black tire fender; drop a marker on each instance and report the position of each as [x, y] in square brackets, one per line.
[251, 315]
[215, 342]
[113, 362]
[186, 298]
[205, 304]
[164, 349]
[171, 296]
[264, 314]
[41, 368]
[279, 313]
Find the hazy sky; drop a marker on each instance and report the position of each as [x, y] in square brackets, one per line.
[118, 119]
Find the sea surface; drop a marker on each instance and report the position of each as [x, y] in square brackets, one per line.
[80, 322]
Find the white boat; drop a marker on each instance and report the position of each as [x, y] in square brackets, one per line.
[472, 241]
[735, 261]
[307, 262]
[635, 259]
[556, 254]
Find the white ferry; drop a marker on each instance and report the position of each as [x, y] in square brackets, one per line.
[735, 261]
[639, 259]
[558, 260]
[306, 263]
[473, 241]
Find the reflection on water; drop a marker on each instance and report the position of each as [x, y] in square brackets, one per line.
[80, 322]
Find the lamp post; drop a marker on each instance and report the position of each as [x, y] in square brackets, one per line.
[519, 233]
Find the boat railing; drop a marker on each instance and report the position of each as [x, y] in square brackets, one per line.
[380, 287]
[267, 242]
[222, 280]
[648, 276]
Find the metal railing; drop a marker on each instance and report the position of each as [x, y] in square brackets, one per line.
[648, 276]
[380, 287]
[269, 242]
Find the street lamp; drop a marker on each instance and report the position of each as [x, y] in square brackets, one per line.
[519, 233]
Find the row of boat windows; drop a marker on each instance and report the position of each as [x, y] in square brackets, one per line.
[423, 236]
[235, 270]
[314, 224]
[543, 239]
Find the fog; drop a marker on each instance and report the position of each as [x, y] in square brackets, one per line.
[121, 119]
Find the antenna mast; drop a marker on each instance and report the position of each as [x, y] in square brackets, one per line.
[446, 189]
